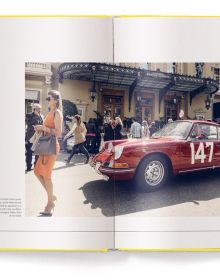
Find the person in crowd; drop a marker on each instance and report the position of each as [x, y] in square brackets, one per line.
[79, 131]
[91, 136]
[129, 123]
[118, 128]
[125, 123]
[145, 132]
[135, 131]
[52, 125]
[108, 131]
[65, 130]
[98, 139]
[152, 128]
[35, 118]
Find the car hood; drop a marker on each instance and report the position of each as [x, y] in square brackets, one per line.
[140, 142]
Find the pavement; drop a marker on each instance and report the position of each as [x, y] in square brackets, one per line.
[82, 192]
[70, 185]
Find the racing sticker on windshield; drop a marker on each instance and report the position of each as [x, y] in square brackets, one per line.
[200, 153]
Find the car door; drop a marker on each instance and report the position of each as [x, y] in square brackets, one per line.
[201, 149]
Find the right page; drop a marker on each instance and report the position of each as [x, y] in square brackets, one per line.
[167, 191]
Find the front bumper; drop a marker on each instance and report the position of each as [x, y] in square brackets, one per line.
[113, 173]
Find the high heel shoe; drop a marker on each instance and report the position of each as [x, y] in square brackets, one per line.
[48, 210]
[45, 209]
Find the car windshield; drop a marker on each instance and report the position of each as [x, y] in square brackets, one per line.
[179, 130]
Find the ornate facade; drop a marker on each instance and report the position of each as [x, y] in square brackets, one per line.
[151, 91]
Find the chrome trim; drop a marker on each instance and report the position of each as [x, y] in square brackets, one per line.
[197, 169]
[116, 170]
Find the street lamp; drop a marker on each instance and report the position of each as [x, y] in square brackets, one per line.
[93, 92]
[208, 99]
[174, 67]
[93, 89]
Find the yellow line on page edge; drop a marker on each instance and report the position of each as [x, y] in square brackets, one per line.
[171, 250]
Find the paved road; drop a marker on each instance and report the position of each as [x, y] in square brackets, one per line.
[82, 192]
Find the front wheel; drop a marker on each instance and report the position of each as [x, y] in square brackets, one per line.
[152, 173]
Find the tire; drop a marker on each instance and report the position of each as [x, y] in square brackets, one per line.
[153, 173]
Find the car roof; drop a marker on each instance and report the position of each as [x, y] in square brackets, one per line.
[200, 121]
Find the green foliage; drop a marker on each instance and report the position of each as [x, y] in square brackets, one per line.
[69, 109]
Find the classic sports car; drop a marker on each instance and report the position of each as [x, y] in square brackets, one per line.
[180, 146]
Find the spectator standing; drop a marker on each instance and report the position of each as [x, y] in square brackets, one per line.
[125, 123]
[108, 131]
[91, 136]
[118, 129]
[65, 131]
[152, 128]
[145, 130]
[35, 118]
[135, 129]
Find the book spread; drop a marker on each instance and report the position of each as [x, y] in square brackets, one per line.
[110, 133]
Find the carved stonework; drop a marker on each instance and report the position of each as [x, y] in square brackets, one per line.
[199, 69]
[48, 80]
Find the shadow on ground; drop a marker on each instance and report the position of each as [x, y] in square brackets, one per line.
[124, 198]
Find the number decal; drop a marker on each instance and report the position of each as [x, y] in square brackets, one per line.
[210, 144]
[192, 153]
[200, 153]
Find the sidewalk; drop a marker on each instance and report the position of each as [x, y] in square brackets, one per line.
[69, 182]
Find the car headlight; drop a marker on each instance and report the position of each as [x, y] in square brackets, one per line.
[118, 151]
[110, 147]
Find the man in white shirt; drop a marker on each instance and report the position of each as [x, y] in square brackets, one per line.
[135, 129]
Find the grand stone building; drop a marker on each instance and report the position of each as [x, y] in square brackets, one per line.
[151, 91]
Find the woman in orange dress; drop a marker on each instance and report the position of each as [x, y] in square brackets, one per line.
[45, 163]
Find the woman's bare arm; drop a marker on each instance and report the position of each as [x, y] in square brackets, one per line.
[58, 120]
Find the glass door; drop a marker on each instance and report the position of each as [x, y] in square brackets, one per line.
[112, 106]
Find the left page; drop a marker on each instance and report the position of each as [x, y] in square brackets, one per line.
[54, 205]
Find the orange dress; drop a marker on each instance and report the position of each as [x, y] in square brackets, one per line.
[45, 163]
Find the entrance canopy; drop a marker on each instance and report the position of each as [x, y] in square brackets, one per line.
[135, 78]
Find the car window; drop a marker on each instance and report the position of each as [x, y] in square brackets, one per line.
[178, 130]
[218, 133]
[204, 132]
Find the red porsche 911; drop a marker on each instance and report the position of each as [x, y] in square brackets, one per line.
[180, 146]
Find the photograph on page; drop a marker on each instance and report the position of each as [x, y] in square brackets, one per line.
[67, 112]
[131, 139]
[167, 166]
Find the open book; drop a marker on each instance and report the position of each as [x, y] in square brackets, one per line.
[134, 120]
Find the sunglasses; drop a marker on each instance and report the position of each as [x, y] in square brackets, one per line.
[48, 98]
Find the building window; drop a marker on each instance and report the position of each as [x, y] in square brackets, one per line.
[112, 105]
[31, 96]
[216, 74]
[144, 107]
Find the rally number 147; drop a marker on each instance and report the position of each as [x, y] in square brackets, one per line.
[200, 153]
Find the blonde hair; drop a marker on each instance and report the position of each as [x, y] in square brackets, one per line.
[57, 96]
[119, 121]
